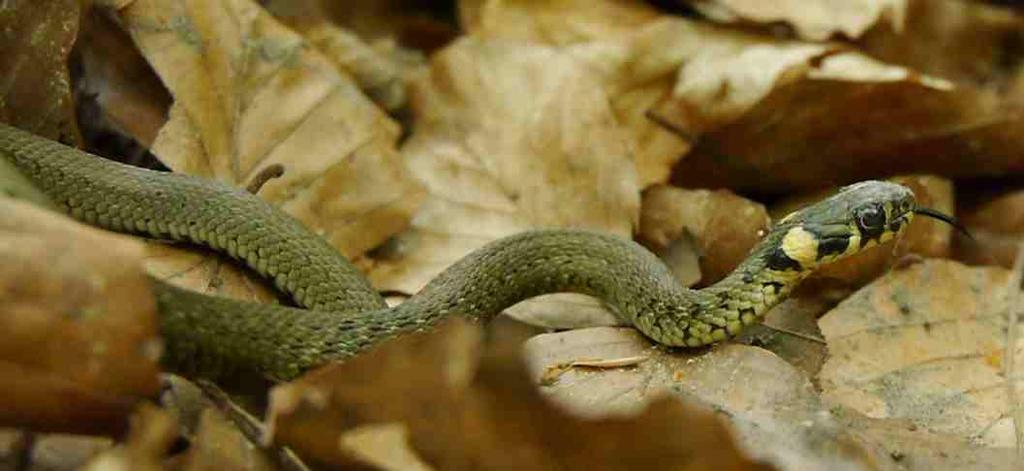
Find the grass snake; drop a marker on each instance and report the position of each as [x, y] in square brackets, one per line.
[340, 314]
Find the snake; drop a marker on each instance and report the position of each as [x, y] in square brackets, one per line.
[336, 312]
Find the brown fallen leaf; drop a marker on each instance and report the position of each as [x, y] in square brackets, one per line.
[790, 330]
[468, 405]
[250, 94]
[725, 226]
[961, 40]
[218, 445]
[925, 344]
[380, 69]
[997, 227]
[771, 406]
[620, 43]
[649, 70]
[814, 20]
[836, 118]
[80, 343]
[127, 92]
[899, 444]
[425, 26]
[510, 136]
[556, 23]
[35, 40]
[152, 433]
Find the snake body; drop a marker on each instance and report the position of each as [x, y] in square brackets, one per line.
[342, 315]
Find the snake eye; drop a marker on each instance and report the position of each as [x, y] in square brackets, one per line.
[870, 219]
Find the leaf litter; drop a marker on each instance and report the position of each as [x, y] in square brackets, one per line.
[613, 115]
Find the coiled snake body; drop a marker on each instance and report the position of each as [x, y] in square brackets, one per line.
[343, 315]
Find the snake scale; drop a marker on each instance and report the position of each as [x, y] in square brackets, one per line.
[340, 314]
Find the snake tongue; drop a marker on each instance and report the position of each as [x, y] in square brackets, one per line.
[936, 214]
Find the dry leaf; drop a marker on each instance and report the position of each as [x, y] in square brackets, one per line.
[557, 22]
[114, 74]
[650, 70]
[380, 70]
[35, 40]
[997, 227]
[218, 445]
[899, 444]
[771, 406]
[725, 226]
[925, 344]
[466, 412]
[621, 41]
[60, 451]
[152, 432]
[251, 94]
[815, 20]
[836, 119]
[80, 344]
[509, 136]
[962, 40]
[790, 330]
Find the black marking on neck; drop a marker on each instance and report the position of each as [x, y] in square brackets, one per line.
[778, 260]
[832, 246]
[775, 286]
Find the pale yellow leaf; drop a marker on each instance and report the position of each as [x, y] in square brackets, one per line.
[251, 94]
[772, 406]
[925, 344]
[556, 22]
[815, 20]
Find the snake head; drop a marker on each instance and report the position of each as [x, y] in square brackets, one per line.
[855, 218]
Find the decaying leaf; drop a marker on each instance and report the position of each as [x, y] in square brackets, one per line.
[966, 41]
[620, 42]
[815, 20]
[152, 432]
[790, 330]
[997, 227]
[510, 136]
[725, 226]
[380, 69]
[925, 344]
[218, 445]
[80, 345]
[251, 94]
[771, 406]
[835, 119]
[35, 40]
[556, 23]
[127, 92]
[900, 444]
[467, 405]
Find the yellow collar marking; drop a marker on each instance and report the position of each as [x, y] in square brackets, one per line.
[802, 246]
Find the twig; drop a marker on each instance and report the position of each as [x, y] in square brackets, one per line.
[797, 334]
[250, 427]
[669, 126]
[265, 175]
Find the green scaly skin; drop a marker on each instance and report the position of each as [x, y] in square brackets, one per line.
[218, 337]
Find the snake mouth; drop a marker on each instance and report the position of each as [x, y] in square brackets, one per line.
[941, 216]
